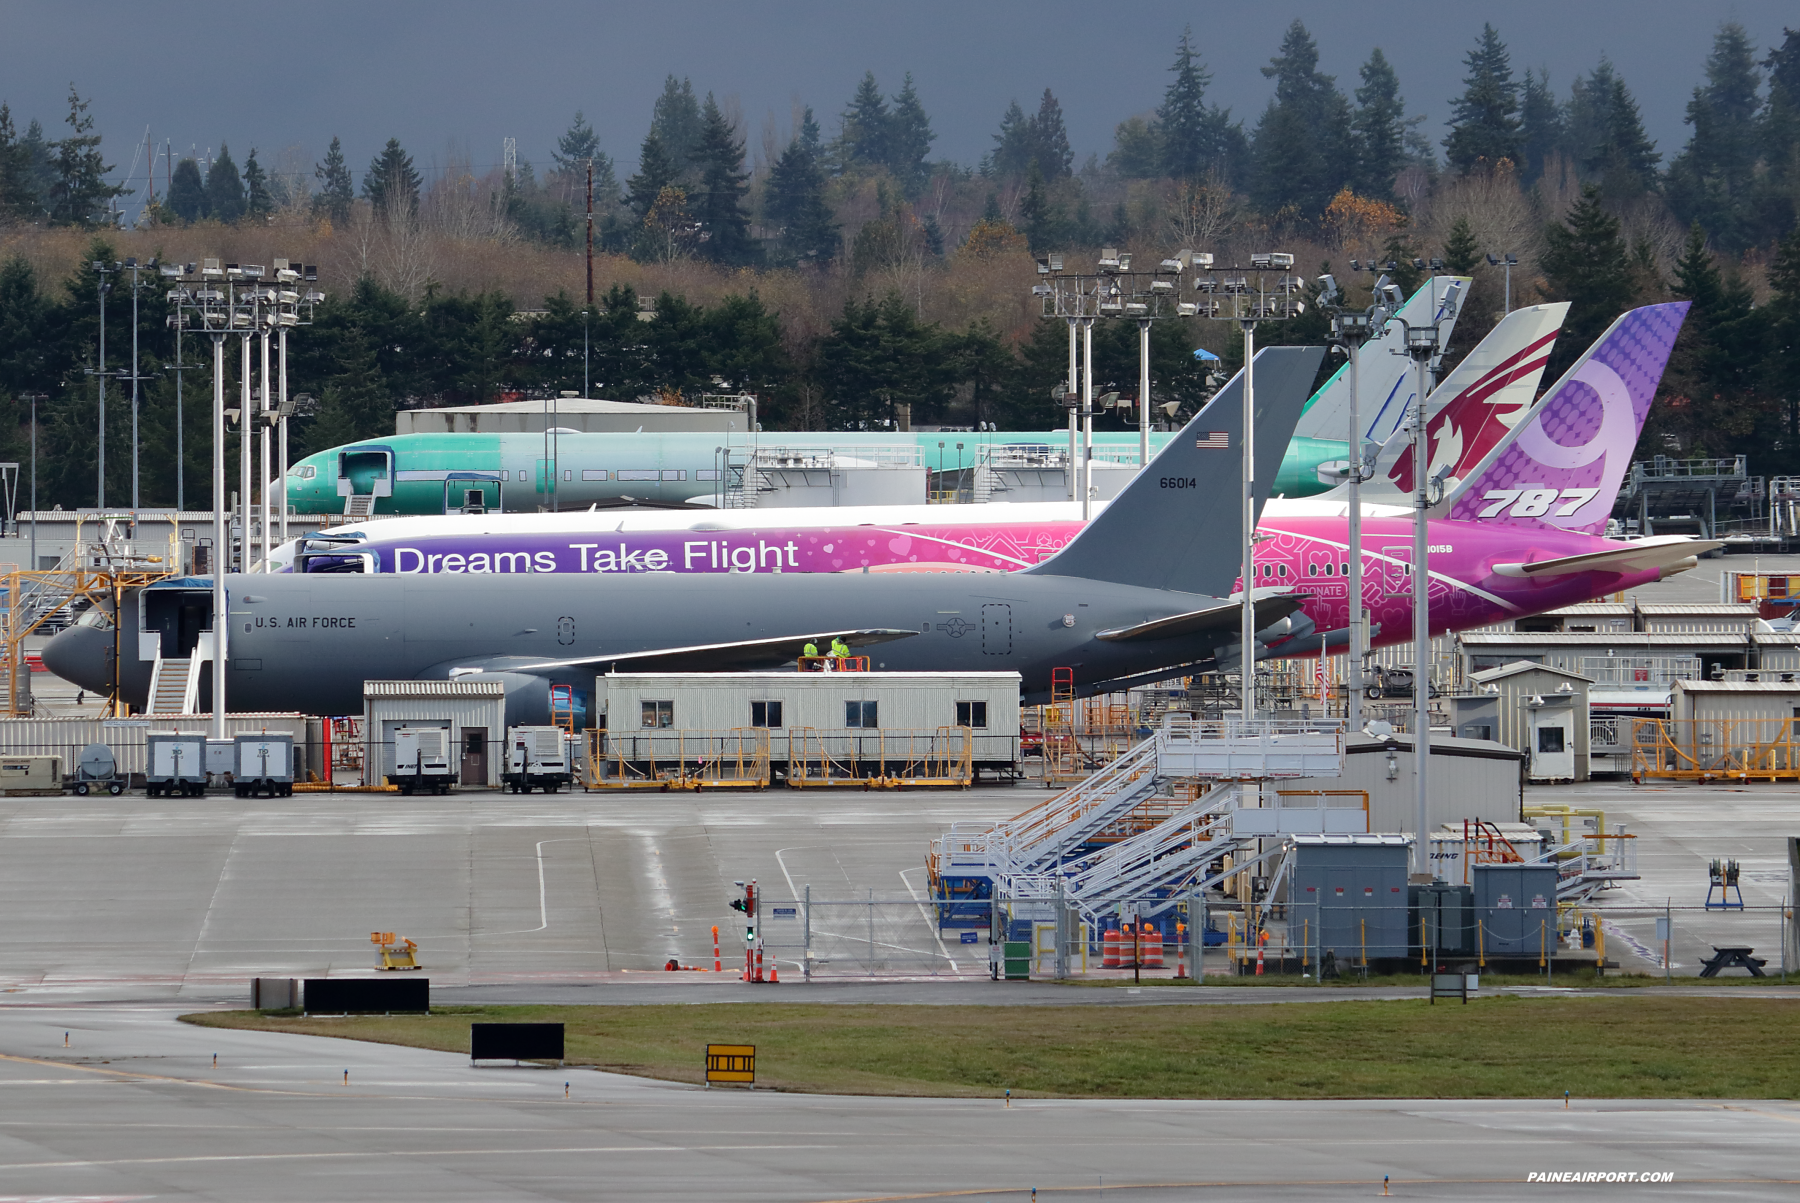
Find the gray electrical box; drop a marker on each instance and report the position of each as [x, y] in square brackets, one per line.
[1349, 897]
[174, 764]
[1516, 908]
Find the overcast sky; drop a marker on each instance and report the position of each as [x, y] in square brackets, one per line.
[452, 74]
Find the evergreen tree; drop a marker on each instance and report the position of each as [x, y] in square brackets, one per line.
[336, 189]
[258, 203]
[1380, 125]
[224, 188]
[1484, 120]
[1712, 180]
[391, 182]
[656, 171]
[719, 202]
[1040, 217]
[26, 330]
[1189, 137]
[17, 201]
[866, 122]
[79, 195]
[353, 403]
[578, 144]
[1779, 200]
[879, 355]
[1715, 374]
[1136, 153]
[1462, 251]
[40, 156]
[1014, 147]
[187, 192]
[909, 139]
[1782, 364]
[1303, 152]
[795, 199]
[675, 121]
[1050, 138]
[1607, 137]
[990, 212]
[1540, 125]
[1585, 264]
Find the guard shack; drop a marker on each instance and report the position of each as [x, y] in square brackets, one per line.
[1540, 710]
[819, 728]
[471, 710]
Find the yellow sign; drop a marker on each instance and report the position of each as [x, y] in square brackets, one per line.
[731, 1063]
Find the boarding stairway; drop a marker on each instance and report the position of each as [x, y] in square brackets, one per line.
[1133, 804]
[359, 505]
[175, 684]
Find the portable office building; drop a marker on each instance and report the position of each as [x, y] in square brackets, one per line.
[1540, 710]
[790, 705]
[1469, 779]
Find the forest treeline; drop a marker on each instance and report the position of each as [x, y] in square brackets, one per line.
[841, 274]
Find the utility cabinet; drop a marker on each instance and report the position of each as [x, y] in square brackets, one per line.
[1349, 896]
[1516, 907]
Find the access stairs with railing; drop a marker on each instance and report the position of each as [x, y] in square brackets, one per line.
[359, 505]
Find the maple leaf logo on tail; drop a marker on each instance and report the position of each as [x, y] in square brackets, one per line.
[1489, 392]
[1563, 465]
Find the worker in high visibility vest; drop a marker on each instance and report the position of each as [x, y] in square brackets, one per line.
[839, 649]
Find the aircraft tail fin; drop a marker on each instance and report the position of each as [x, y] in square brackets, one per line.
[1384, 381]
[1484, 397]
[1176, 525]
[1562, 466]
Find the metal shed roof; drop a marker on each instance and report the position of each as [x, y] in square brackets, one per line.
[1738, 686]
[1524, 666]
[462, 687]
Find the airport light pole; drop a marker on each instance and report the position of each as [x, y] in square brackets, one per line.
[133, 267]
[101, 271]
[1249, 296]
[1508, 261]
[1349, 331]
[1421, 346]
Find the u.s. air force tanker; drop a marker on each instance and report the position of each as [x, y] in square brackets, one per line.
[1143, 589]
[453, 472]
[1144, 586]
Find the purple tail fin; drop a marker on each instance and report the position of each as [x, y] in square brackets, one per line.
[1562, 466]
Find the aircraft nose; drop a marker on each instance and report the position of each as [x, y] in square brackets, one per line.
[81, 656]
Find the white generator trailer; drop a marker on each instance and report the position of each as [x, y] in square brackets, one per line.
[422, 760]
[175, 764]
[537, 758]
[263, 764]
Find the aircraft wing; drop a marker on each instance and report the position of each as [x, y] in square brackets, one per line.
[741, 656]
[1666, 552]
[1223, 617]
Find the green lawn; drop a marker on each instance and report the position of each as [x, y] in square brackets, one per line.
[1623, 1045]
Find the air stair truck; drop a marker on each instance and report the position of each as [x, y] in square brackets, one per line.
[537, 757]
[263, 763]
[175, 764]
[422, 760]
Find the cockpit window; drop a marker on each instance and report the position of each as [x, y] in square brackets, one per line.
[306, 472]
[95, 617]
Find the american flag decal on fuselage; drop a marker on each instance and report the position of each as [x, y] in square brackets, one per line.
[1214, 440]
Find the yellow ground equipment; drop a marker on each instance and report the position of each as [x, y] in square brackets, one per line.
[395, 954]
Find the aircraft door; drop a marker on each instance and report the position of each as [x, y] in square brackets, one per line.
[996, 629]
[470, 494]
[366, 472]
[177, 616]
[1396, 571]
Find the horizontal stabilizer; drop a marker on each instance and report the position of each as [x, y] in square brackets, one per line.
[1226, 617]
[1641, 556]
[741, 656]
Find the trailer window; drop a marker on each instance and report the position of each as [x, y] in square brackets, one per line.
[765, 714]
[971, 714]
[860, 714]
[658, 714]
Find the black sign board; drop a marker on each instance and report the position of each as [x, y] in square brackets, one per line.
[515, 1042]
[343, 995]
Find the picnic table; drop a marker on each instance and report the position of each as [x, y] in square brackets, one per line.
[1733, 956]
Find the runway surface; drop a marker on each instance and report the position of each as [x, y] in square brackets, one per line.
[134, 1108]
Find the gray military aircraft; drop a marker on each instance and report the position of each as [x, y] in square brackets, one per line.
[1142, 589]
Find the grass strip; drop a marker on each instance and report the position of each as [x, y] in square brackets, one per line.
[1622, 1045]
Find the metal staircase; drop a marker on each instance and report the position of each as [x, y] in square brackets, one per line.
[359, 505]
[171, 685]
